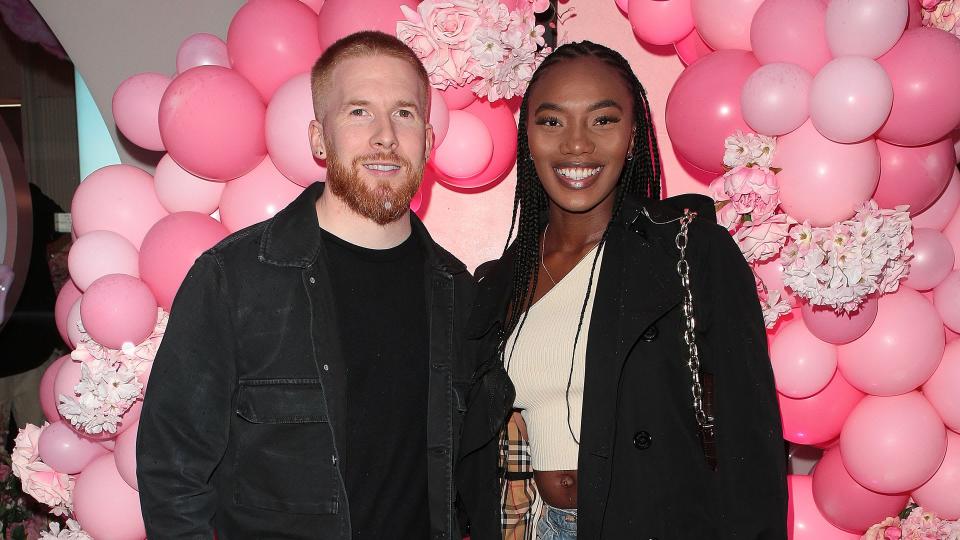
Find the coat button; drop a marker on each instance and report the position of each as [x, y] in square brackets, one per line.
[650, 333]
[642, 440]
[313, 280]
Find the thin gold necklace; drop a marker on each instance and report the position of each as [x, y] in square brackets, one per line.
[543, 245]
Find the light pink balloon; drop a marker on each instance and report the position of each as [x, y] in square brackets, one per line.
[288, 142]
[939, 494]
[703, 107]
[952, 231]
[831, 327]
[941, 388]
[770, 272]
[791, 31]
[65, 451]
[823, 181]
[135, 108]
[67, 378]
[118, 198]
[893, 444]
[68, 295]
[900, 351]
[270, 41]
[458, 97]
[125, 456]
[212, 123]
[938, 215]
[439, 116]
[775, 98]
[818, 418]
[467, 149]
[692, 48]
[256, 196]
[105, 505]
[503, 129]
[118, 309]
[339, 18]
[725, 24]
[661, 22]
[932, 259]
[98, 253]
[802, 364]
[913, 175]
[924, 104]
[73, 324]
[170, 249]
[945, 297]
[865, 27]
[48, 399]
[804, 521]
[180, 191]
[850, 99]
[845, 503]
[202, 50]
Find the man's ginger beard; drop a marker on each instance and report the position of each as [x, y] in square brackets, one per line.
[383, 203]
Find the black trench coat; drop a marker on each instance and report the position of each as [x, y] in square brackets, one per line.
[642, 470]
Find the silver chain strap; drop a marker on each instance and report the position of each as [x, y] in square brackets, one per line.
[689, 334]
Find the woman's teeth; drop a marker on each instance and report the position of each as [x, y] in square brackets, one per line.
[578, 173]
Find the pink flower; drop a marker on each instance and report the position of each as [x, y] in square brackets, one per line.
[761, 240]
[891, 533]
[944, 16]
[415, 36]
[450, 22]
[48, 486]
[25, 449]
[929, 5]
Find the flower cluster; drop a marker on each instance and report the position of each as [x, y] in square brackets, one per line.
[748, 148]
[476, 41]
[773, 302]
[20, 517]
[840, 265]
[914, 523]
[72, 531]
[38, 479]
[110, 380]
[942, 14]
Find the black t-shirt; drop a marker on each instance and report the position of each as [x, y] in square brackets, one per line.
[381, 310]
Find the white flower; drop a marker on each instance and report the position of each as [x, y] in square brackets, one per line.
[72, 532]
[486, 47]
[748, 149]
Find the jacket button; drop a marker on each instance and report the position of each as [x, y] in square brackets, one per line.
[642, 440]
[650, 333]
[313, 280]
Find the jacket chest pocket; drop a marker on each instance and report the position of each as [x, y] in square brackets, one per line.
[286, 459]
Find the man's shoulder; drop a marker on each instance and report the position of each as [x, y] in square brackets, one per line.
[242, 245]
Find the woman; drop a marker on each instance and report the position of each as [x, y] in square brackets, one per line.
[638, 428]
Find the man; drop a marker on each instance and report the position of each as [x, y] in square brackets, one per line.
[308, 385]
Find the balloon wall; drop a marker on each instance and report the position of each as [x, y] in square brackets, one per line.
[830, 127]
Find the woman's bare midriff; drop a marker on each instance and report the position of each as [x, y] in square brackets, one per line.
[557, 488]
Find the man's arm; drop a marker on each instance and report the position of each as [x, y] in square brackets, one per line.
[186, 412]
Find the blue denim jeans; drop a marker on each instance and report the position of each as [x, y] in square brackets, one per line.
[557, 524]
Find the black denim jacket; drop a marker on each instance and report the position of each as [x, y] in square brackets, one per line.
[242, 425]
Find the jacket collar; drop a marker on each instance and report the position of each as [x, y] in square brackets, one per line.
[292, 237]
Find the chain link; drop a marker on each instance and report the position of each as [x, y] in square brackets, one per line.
[689, 333]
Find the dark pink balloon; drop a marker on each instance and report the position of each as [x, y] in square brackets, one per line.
[458, 97]
[804, 521]
[67, 296]
[503, 129]
[839, 328]
[136, 104]
[818, 418]
[339, 18]
[48, 398]
[118, 309]
[692, 48]
[202, 50]
[660, 23]
[791, 31]
[914, 175]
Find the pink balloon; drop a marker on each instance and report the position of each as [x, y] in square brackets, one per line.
[315, 5]
[770, 272]
[939, 494]
[802, 364]
[703, 107]
[170, 249]
[118, 309]
[105, 505]
[66, 452]
[125, 456]
[941, 388]
[804, 521]
[48, 399]
[339, 18]
[458, 97]
[791, 31]
[952, 231]
[932, 259]
[845, 503]
[774, 98]
[202, 50]
[623, 5]
[818, 418]
[467, 148]
[725, 24]
[503, 129]
[913, 175]
[850, 99]
[914, 17]
[692, 48]
[938, 214]
[865, 27]
[68, 295]
[900, 351]
[288, 119]
[924, 108]
[893, 444]
[73, 324]
[256, 196]
[99, 253]
[117, 198]
[831, 327]
[270, 41]
[66, 379]
[180, 191]
[439, 116]
[823, 181]
[212, 123]
[661, 22]
[417, 200]
[945, 297]
[135, 106]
